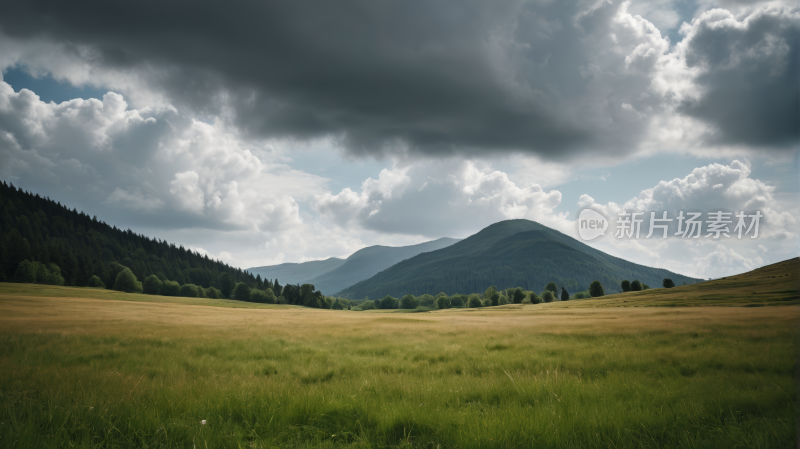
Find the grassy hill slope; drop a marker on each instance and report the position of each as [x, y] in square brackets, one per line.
[512, 253]
[776, 284]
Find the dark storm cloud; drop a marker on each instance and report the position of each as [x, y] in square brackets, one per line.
[751, 78]
[432, 77]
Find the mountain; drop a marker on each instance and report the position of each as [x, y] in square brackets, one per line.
[511, 253]
[297, 273]
[332, 275]
[38, 229]
[367, 262]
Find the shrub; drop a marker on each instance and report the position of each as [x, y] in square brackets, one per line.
[668, 283]
[503, 300]
[626, 286]
[534, 298]
[596, 289]
[126, 282]
[152, 285]
[271, 298]
[201, 292]
[636, 286]
[494, 299]
[26, 273]
[548, 296]
[645, 287]
[188, 291]
[241, 292]
[213, 293]
[583, 295]
[170, 288]
[95, 281]
[443, 302]
[457, 300]
[367, 305]
[551, 287]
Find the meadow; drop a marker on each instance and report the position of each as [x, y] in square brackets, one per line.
[94, 368]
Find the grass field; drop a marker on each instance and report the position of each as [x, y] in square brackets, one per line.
[93, 368]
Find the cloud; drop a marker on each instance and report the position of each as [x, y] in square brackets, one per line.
[135, 200]
[706, 189]
[438, 198]
[147, 160]
[555, 79]
[746, 71]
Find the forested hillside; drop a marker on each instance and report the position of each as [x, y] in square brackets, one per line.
[39, 229]
[512, 253]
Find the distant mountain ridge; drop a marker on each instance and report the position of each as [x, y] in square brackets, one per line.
[295, 273]
[511, 253]
[333, 275]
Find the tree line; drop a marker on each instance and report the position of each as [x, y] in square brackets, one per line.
[45, 242]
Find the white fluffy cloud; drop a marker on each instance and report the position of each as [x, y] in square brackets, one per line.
[439, 198]
[710, 188]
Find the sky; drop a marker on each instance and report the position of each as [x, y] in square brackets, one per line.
[269, 132]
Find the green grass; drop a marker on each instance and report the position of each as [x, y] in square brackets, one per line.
[103, 373]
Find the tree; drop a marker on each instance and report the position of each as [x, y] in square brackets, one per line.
[489, 291]
[495, 298]
[596, 289]
[519, 295]
[213, 293]
[474, 301]
[226, 285]
[188, 291]
[152, 285]
[645, 287]
[626, 286]
[241, 292]
[95, 281]
[636, 286]
[667, 283]
[257, 295]
[548, 296]
[503, 300]
[443, 302]
[535, 299]
[126, 282]
[564, 294]
[170, 288]
[337, 305]
[26, 273]
[388, 302]
[271, 298]
[408, 302]
[457, 300]
[552, 287]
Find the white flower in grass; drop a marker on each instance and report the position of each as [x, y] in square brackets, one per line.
[203, 422]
